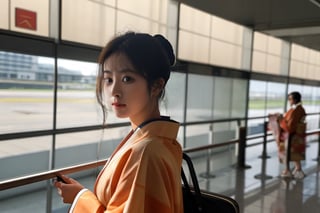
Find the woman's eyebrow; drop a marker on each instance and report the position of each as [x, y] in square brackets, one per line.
[106, 71]
[125, 70]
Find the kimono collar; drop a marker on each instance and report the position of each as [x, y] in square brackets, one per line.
[163, 126]
[295, 105]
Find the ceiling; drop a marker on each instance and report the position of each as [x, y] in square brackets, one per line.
[297, 21]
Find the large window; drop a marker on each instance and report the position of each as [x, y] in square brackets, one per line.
[76, 103]
[215, 60]
[310, 97]
[224, 98]
[264, 98]
[26, 93]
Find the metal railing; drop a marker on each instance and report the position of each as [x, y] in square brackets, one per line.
[240, 141]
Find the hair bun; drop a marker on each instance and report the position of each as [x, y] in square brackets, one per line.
[167, 47]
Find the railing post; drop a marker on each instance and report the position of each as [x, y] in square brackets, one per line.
[242, 148]
[208, 174]
[318, 157]
[264, 148]
[318, 146]
[263, 176]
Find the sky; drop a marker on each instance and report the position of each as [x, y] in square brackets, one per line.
[86, 68]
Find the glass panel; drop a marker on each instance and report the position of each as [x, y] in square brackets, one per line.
[314, 57]
[273, 64]
[173, 104]
[222, 98]
[25, 156]
[90, 22]
[270, 55]
[257, 106]
[29, 198]
[199, 107]
[306, 98]
[155, 10]
[226, 31]
[299, 53]
[313, 99]
[193, 47]
[260, 42]
[257, 100]
[198, 135]
[26, 93]
[239, 98]
[276, 97]
[194, 20]
[4, 10]
[311, 103]
[225, 54]
[304, 63]
[30, 17]
[297, 69]
[259, 61]
[223, 132]
[77, 104]
[89, 146]
[274, 46]
[126, 21]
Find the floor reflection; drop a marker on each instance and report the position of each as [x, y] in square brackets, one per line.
[259, 189]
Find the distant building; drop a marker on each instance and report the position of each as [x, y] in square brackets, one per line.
[20, 70]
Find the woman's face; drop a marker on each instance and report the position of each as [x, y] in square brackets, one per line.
[291, 100]
[127, 91]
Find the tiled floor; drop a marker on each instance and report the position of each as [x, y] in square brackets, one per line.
[258, 189]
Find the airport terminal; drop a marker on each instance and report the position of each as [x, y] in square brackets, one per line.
[236, 63]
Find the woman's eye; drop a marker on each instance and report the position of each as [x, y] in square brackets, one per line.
[127, 79]
[108, 80]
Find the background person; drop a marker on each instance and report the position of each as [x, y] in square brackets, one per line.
[294, 126]
[143, 174]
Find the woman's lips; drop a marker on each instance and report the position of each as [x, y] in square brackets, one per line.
[118, 105]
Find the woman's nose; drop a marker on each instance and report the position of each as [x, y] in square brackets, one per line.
[116, 90]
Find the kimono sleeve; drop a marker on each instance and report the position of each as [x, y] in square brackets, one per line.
[291, 121]
[86, 202]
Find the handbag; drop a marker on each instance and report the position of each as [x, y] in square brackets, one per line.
[196, 200]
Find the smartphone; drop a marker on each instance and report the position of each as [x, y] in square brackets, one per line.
[60, 179]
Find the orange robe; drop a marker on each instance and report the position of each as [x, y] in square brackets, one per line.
[294, 125]
[142, 175]
[291, 127]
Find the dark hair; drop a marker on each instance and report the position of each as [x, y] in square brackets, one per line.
[296, 96]
[151, 56]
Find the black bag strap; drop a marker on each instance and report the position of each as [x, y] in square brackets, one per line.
[192, 172]
[195, 183]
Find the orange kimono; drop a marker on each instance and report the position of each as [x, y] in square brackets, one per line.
[294, 125]
[142, 175]
[291, 127]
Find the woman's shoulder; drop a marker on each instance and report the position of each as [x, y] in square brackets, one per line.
[300, 108]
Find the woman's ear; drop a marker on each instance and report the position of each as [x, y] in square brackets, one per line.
[157, 87]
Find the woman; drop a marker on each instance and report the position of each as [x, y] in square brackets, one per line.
[293, 124]
[143, 173]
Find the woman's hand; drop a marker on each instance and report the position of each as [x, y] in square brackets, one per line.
[68, 190]
[279, 117]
